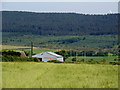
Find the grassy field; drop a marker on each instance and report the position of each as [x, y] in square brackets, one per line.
[25, 48]
[10, 47]
[95, 58]
[51, 75]
[38, 50]
[91, 41]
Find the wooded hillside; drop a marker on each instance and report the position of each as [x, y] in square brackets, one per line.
[58, 24]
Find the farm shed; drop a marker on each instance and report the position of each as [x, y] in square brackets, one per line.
[47, 56]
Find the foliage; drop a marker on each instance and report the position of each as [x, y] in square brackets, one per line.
[12, 53]
[74, 59]
[9, 58]
[59, 42]
[55, 61]
[36, 60]
[59, 23]
[63, 53]
[87, 53]
[114, 63]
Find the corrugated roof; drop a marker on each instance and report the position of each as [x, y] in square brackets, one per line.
[37, 55]
[50, 53]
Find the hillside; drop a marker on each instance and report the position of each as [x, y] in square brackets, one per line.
[58, 24]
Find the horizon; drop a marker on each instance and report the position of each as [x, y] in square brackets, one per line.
[57, 12]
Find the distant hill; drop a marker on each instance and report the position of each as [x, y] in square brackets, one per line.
[58, 24]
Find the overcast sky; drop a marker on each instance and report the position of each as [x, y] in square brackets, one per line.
[78, 7]
[60, 0]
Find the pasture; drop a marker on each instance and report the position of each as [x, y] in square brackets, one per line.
[11, 47]
[58, 75]
[95, 58]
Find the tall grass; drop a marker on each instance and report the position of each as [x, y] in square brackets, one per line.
[50, 75]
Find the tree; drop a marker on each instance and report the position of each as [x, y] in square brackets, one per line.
[63, 53]
[12, 53]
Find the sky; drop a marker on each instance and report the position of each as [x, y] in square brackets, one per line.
[60, 0]
[76, 7]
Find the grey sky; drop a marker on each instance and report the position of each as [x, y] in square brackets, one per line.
[79, 7]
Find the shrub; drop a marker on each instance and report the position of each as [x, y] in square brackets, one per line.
[82, 60]
[36, 60]
[55, 61]
[69, 62]
[12, 53]
[74, 59]
[113, 63]
[116, 59]
[91, 61]
[7, 58]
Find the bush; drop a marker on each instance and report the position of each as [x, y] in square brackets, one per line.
[74, 59]
[9, 58]
[114, 63]
[55, 61]
[36, 60]
[69, 62]
[116, 59]
[12, 53]
[82, 60]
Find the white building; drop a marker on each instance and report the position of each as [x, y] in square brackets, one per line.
[47, 56]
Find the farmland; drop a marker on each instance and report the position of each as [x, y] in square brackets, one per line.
[88, 43]
[52, 75]
[9, 47]
[108, 58]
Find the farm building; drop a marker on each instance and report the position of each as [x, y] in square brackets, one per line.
[47, 56]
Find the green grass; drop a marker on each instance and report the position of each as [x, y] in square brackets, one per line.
[51, 75]
[9, 47]
[25, 48]
[108, 58]
[36, 51]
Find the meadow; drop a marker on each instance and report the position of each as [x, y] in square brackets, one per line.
[12, 47]
[95, 58]
[58, 75]
[88, 41]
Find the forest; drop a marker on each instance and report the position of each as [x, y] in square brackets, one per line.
[59, 24]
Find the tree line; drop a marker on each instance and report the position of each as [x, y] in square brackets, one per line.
[67, 54]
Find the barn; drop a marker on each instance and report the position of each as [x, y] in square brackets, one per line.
[47, 56]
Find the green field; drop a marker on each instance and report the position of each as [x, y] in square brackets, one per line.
[11, 47]
[36, 51]
[95, 58]
[88, 41]
[51, 75]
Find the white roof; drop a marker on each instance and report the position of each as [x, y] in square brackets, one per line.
[50, 53]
